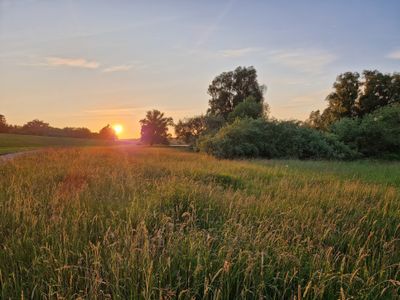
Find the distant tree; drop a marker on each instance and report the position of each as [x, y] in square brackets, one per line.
[228, 89]
[36, 127]
[155, 128]
[190, 129]
[81, 132]
[107, 133]
[3, 124]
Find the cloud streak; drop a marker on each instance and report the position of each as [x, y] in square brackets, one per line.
[119, 68]
[238, 52]
[72, 62]
[394, 55]
[303, 60]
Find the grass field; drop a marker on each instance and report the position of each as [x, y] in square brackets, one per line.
[10, 143]
[158, 223]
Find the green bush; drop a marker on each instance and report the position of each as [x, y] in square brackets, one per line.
[273, 139]
[375, 135]
[249, 108]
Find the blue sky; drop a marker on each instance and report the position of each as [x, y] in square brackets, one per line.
[89, 63]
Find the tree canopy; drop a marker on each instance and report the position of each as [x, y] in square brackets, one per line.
[354, 96]
[229, 89]
[155, 128]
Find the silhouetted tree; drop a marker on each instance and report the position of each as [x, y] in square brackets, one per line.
[81, 132]
[36, 127]
[230, 88]
[3, 124]
[379, 90]
[107, 133]
[190, 129]
[155, 128]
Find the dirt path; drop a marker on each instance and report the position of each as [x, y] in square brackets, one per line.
[10, 156]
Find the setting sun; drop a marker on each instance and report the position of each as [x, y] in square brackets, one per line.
[118, 128]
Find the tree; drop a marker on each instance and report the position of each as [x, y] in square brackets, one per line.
[228, 89]
[36, 127]
[190, 129]
[155, 128]
[107, 133]
[3, 124]
[379, 90]
[342, 102]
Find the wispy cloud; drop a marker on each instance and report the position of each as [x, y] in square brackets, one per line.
[238, 52]
[302, 59]
[394, 54]
[120, 68]
[72, 62]
[209, 30]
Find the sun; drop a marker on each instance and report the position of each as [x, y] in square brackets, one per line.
[118, 129]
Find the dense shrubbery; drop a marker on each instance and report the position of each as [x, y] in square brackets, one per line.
[273, 139]
[375, 135]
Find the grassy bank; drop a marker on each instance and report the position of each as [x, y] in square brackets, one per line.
[10, 143]
[162, 223]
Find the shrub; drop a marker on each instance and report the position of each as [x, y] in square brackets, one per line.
[376, 135]
[273, 139]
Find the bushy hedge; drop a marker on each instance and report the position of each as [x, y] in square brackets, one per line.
[375, 135]
[273, 139]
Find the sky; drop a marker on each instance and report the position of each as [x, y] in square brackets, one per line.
[92, 63]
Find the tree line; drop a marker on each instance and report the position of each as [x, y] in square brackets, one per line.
[38, 127]
[362, 119]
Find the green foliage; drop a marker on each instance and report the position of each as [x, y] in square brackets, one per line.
[249, 108]
[353, 97]
[155, 128]
[376, 134]
[190, 129]
[229, 89]
[273, 139]
[379, 90]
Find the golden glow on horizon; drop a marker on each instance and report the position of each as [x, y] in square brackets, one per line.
[118, 128]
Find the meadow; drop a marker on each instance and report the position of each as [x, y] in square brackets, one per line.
[10, 143]
[146, 223]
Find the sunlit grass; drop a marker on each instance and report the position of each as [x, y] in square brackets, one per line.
[163, 223]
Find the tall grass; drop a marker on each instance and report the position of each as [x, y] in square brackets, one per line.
[146, 223]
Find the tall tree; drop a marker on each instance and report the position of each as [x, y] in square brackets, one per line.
[3, 124]
[155, 128]
[228, 89]
[379, 90]
[343, 101]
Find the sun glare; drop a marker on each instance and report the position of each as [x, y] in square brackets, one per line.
[118, 128]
